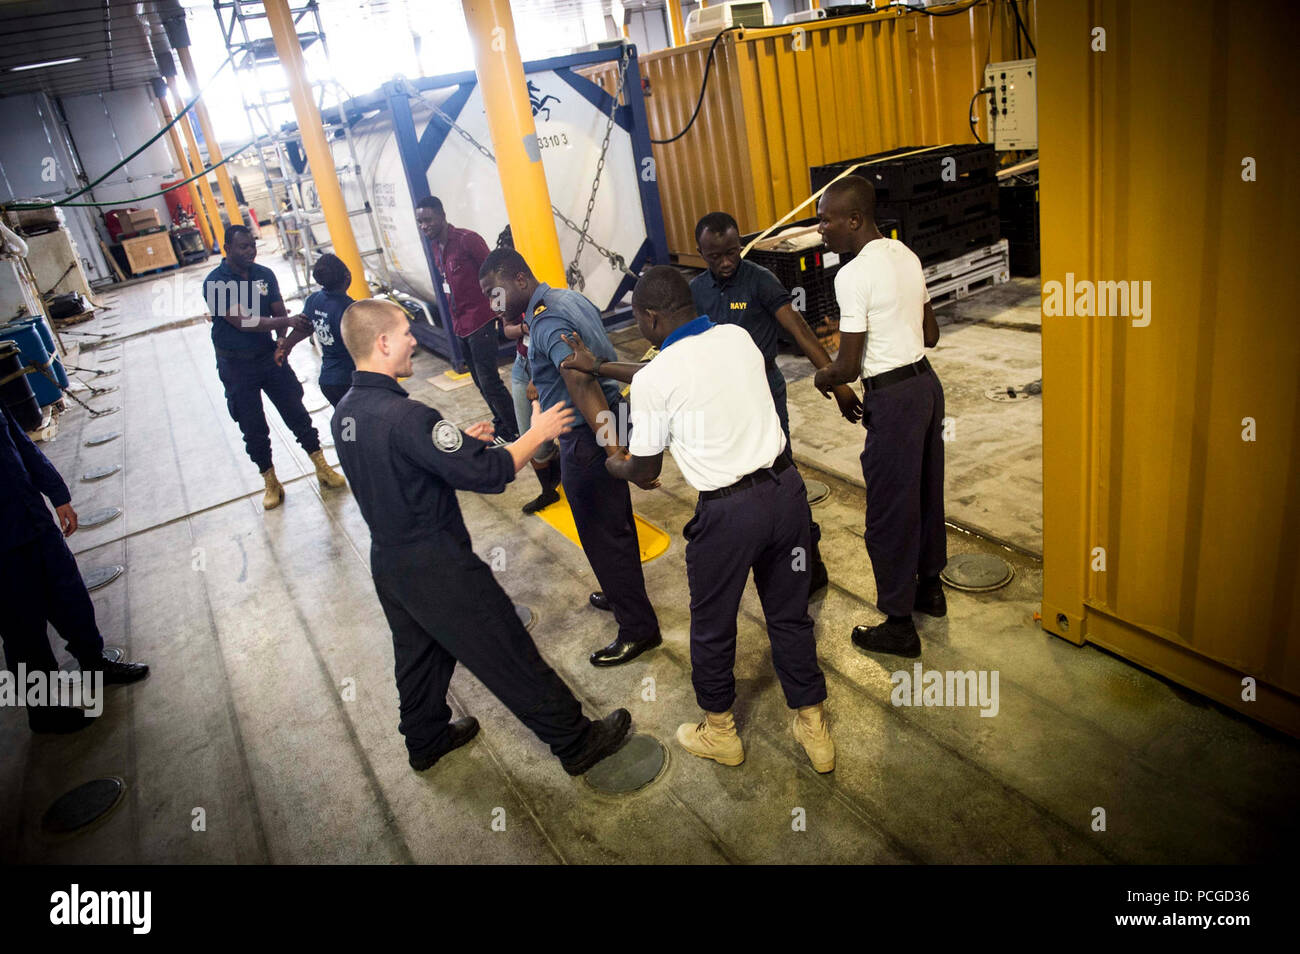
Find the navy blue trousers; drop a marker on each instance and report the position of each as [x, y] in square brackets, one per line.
[902, 464]
[40, 584]
[763, 528]
[602, 513]
[776, 382]
[444, 606]
[481, 356]
[245, 380]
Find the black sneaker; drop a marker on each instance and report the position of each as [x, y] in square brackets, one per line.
[541, 502]
[458, 733]
[117, 673]
[894, 639]
[603, 739]
[930, 599]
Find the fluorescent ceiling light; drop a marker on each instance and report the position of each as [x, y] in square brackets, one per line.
[41, 66]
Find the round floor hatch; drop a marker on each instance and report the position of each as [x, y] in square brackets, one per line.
[977, 572]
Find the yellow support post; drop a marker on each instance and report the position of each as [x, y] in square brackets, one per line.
[514, 137]
[675, 22]
[319, 157]
[214, 150]
[178, 152]
[196, 160]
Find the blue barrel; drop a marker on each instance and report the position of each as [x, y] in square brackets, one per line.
[33, 351]
[16, 390]
[47, 339]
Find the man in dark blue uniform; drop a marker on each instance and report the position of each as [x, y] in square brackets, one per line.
[246, 307]
[735, 291]
[39, 579]
[406, 462]
[324, 309]
[601, 505]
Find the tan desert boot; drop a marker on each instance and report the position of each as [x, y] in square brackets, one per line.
[714, 738]
[274, 490]
[327, 475]
[813, 732]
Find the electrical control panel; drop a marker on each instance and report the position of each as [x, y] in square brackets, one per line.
[1013, 104]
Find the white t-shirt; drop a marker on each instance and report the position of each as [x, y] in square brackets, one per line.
[705, 398]
[882, 292]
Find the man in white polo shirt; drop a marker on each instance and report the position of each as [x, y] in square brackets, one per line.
[886, 323]
[705, 396]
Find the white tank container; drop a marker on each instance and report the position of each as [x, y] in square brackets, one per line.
[570, 131]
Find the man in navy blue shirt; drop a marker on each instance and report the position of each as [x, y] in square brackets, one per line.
[39, 579]
[601, 505]
[324, 309]
[246, 307]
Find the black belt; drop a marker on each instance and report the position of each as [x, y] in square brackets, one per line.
[878, 381]
[749, 480]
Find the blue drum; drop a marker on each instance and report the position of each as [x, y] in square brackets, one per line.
[30, 334]
[16, 390]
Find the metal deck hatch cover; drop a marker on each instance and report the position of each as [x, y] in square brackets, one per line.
[100, 517]
[638, 763]
[83, 805]
[102, 575]
[977, 572]
[99, 473]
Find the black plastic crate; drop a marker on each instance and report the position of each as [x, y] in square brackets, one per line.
[916, 176]
[951, 242]
[923, 217]
[1018, 210]
[1024, 258]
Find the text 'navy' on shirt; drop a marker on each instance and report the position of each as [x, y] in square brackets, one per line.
[749, 298]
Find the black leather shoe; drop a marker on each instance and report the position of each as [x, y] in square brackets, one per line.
[117, 673]
[930, 599]
[621, 651]
[600, 601]
[820, 579]
[458, 733]
[603, 739]
[60, 720]
[541, 502]
[894, 639]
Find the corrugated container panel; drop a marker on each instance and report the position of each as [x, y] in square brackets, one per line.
[781, 100]
[1142, 150]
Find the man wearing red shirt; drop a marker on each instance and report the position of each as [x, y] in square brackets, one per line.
[458, 253]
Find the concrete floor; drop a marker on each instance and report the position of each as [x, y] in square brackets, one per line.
[255, 623]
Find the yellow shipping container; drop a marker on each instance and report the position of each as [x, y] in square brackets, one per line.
[1170, 440]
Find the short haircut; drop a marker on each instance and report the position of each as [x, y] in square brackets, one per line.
[857, 194]
[506, 262]
[662, 288]
[235, 230]
[330, 273]
[717, 222]
[431, 202]
[364, 321]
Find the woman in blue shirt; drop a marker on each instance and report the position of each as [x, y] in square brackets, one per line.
[324, 309]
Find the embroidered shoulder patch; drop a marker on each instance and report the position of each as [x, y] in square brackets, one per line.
[538, 310]
[447, 437]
